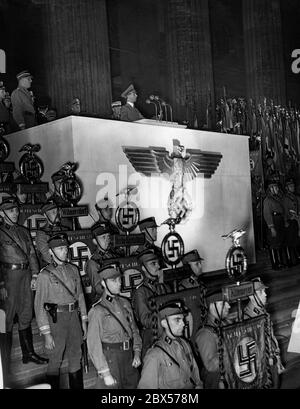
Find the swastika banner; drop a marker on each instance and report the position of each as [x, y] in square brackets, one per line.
[245, 354]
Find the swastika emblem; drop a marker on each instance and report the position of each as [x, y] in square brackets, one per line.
[33, 223]
[172, 248]
[70, 190]
[131, 278]
[79, 254]
[127, 216]
[236, 262]
[245, 359]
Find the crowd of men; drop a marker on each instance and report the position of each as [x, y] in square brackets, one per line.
[132, 343]
[281, 214]
[22, 110]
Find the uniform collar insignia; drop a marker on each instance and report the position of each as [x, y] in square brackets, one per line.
[109, 298]
[168, 340]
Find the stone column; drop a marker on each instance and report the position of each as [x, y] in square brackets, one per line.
[265, 73]
[189, 56]
[76, 53]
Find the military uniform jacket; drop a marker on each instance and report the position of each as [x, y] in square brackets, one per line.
[290, 202]
[103, 327]
[23, 108]
[50, 290]
[16, 247]
[42, 237]
[4, 113]
[129, 113]
[160, 371]
[94, 264]
[140, 301]
[272, 205]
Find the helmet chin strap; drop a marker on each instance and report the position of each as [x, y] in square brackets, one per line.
[55, 219]
[149, 235]
[220, 316]
[171, 332]
[258, 300]
[6, 215]
[154, 276]
[104, 250]
[62, 261]
[108, 290]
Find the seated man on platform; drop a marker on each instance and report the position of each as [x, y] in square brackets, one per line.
[207, 340]
[170, 363]
[129, 112]
[256, 307]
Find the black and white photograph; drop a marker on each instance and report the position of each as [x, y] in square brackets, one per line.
[149, 197]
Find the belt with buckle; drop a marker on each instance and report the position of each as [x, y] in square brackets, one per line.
[277, 214]
[67, 307]
[20, 266]
[122, 346]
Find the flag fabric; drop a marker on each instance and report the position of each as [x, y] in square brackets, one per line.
[245, 355]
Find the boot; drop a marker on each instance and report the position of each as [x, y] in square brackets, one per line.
[76, 380]
[6, 344]
[288, 256]
[29, 355]
[281, 263]
[53, 381]
[274, 259]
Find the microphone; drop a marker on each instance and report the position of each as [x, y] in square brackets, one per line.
[156, 98]
[163, 103]
[150, 102]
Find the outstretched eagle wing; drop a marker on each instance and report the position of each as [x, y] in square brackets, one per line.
[147, 161]
[201, 162]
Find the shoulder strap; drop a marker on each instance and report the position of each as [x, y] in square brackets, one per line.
[169, 355]
[62, 283]
[116, 318]
[3, 231]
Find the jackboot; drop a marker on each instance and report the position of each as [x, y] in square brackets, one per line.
[76, 380]
[287, 256]
[25, 336]
[53, 381]
[6, 344]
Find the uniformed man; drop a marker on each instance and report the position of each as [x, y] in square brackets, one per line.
[143, 308]
[102, 239]
[4, 112]
[53, 225]
[23, 103]
[193, 259]
[255, 307]
[129, 112]
[18, 272]
[56, 179]
[114, 343]
[149, 228]
[291, 204]
[273, 211]
[59, 298]
[170, 363]
[207, 340]
[104, 208]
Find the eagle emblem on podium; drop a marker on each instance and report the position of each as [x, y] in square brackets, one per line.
[181, 166]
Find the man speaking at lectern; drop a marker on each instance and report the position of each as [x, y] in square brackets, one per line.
[129, 112]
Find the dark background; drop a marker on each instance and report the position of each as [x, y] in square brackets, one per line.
[181, 50]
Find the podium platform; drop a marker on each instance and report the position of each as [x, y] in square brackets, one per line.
[220, 202]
